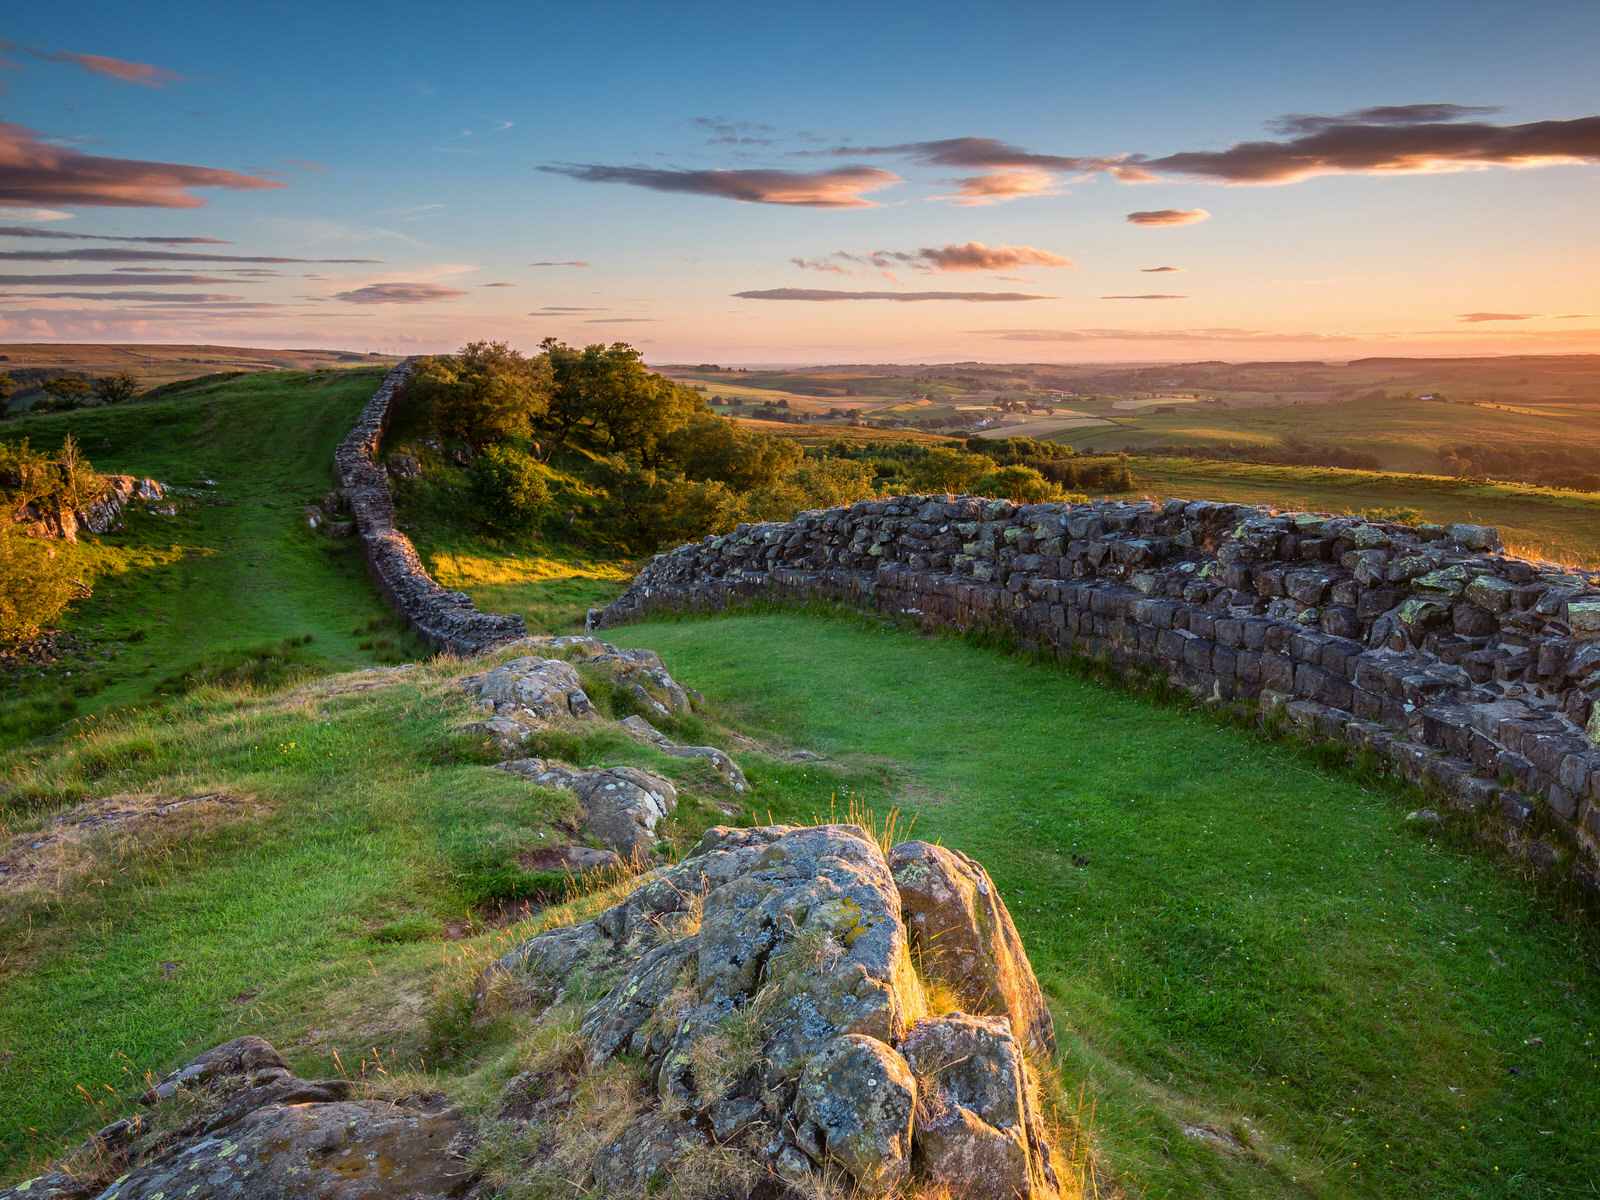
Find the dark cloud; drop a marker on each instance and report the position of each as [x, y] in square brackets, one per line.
[112, 68]
[1147, 296]
[1383, 114]
[399, 293]
[155, 297]
[841, 187]
[497, 285]
[108, 255]
[1159, 270]
[553, 309]
[976, 152]
[119, 278]
[570, 262]
[1475, 317]
[826, 265]
[33, 172]
[818, 294]
[1157, 335]
[1351, 148]
[23, 231]
[1168, 216]
[1571, 316]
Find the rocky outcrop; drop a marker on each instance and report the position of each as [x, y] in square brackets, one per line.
[244, 1127]
[768, 986]
[1471, 671]
[101, 515]
[621, 805]
[446, 620]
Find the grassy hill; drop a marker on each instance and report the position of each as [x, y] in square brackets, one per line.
[234, 583]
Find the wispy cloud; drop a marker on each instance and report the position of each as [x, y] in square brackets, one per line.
[1382, 114]
[966, 256]
[1147, 296]
[23, 231]
[1168, 216]
[621, 321]
[154, 297]
[555, 309]
[33, 172]
[570, 262]
[107, 255]
[817, 294]
[736, 133]
[120, 278]
[399, 293]
[1160, 270]
[997, 187]
[842, 187]
[112, 68]
[497, 285]
[1474, 318]
[1158, 335]
[33, 214]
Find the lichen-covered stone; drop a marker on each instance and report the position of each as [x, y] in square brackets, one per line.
[547, 689]
[855, 1103]
[622, 806]
[963, 936]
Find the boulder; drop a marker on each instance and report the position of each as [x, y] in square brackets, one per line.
[621, 805]
[962, 936]
[855, 1103]
[545, 689]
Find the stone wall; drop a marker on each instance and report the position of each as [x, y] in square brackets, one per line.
[444, 619]
[1474, 673]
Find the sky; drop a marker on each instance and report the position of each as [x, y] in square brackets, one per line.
[928, 182]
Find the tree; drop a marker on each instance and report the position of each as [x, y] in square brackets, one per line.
[1022, 484]
[510, 487]
[114, 389]
[8, 389]
[65, 391]
[942, 469]
[35, 583]
[711, 447]
[487, 393]
[606, 394]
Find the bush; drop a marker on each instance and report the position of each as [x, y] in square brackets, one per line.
[114, 389]
[487, 393]
[63, 392]
[36, 583]
[1022, 484]
[510, 488]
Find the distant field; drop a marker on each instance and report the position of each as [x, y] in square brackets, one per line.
[156, 365]
[1544, 522]
[813, 433]
[1046, 427]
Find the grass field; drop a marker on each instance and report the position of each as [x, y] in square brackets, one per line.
[1540, 522]
[221, 586]
[1233, 938]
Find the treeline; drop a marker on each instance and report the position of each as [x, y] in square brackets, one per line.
[65, 392]
[1291, 452]
[590, 444]
[1021, 468]
[1557, 467]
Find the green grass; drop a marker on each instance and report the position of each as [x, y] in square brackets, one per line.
[236, 573]
[1538, 521]
[1231, 935]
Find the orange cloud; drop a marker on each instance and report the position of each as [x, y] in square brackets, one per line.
[1147, 296]
[1169, 216]
[399, 293]
[842, 187]
[818, 294]
[1475, 317]
[113, 68]
[33, 173]
[996, 187]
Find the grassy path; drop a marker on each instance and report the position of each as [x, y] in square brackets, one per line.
[1234, 939]
[236, 571]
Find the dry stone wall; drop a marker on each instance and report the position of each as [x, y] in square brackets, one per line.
[444, 619]
[1472, 672]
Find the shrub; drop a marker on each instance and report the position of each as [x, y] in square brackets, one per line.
[942, 469]
[64, 392]
[1022, 484]
[36, 583]
[114, 389]
[510, 488]
[487, 393]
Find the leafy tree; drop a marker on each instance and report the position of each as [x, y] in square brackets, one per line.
[510, 488]
[605, 393]
[114, 389]
[712, 447]
[36, 583]
[816, 483]
[486, 393]
[65, 392]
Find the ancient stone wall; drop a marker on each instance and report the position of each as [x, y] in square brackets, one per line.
[444, 619]
[1472, 672]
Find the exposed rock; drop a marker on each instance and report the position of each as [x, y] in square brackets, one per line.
[101, 515]
[765, 984]
[640, 673]
[973, 1121]
[252, 1130]
[720, 762]
[546, 689]
[962, 935]
[621, 805]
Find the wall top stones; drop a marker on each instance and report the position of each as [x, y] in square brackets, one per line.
[1471, 669]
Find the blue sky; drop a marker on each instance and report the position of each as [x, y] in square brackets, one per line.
[416, 136]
